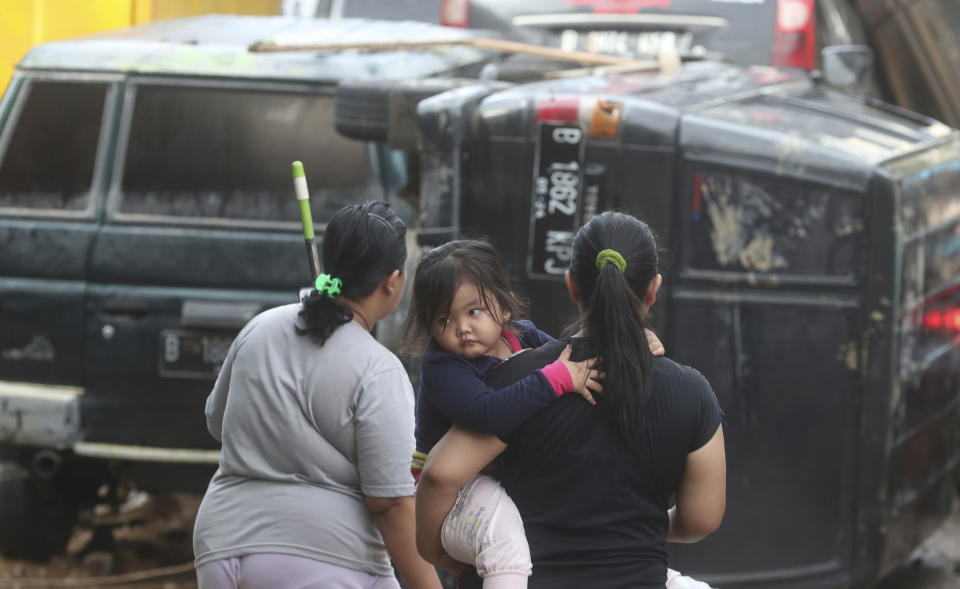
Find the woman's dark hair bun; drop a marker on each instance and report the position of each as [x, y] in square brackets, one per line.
[362, 245]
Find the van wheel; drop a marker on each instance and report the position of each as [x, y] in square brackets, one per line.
[35, 522]
[360, 110]
[385, 111]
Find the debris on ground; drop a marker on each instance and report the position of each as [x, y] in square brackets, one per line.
[145, 542]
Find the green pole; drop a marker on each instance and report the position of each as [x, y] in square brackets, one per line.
[303, 197]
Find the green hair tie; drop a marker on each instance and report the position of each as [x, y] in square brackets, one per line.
[329, 285]
[611, 257]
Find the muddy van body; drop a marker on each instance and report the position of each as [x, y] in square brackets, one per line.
[814, 279]
[146, 213]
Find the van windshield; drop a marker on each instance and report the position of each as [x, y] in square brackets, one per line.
[226, 153]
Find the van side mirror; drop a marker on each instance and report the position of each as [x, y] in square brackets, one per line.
[848, 68]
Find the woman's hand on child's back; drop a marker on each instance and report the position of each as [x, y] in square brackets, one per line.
[583, 375]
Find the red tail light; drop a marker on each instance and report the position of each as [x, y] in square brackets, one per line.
[942, 319]
[794, 41]
[559, 110]
[455, 13]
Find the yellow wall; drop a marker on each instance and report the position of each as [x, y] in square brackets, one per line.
[160, 9]
[25, 23]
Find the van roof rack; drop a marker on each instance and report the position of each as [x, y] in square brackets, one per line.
[485, 43]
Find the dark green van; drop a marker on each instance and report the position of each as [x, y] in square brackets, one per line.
[146, 213]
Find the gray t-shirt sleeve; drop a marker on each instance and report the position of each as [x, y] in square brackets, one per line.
[384, 434]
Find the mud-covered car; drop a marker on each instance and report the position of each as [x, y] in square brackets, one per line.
[814, 277]
[146, 213]
[815, 282]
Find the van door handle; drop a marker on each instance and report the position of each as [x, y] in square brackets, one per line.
[125, 308]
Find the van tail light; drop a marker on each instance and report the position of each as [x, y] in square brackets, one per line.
[942, 320]
[455, 13]
[558, 109]
[794, 40]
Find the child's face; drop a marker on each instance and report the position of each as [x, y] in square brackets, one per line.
[469, 330]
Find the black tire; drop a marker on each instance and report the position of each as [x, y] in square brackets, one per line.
[35, 522]
[361, 109]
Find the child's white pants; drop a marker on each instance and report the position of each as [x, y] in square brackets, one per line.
[677, 581]
[484, 528]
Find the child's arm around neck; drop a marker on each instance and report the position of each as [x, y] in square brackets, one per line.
[455, 386]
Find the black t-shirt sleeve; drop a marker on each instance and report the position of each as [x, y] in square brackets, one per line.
[704, 406]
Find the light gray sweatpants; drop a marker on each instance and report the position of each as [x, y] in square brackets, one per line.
[270, 571]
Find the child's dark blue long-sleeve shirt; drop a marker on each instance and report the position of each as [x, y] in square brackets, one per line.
[452, 390]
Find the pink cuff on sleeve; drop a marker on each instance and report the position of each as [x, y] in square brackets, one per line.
[558, 376]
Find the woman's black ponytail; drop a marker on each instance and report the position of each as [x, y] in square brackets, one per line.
[613, 298]
[362, 245]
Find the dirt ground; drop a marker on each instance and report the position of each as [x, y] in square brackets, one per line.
[148, 544]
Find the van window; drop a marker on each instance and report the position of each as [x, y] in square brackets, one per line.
[226, 153]
[51, 145]
[751, 223]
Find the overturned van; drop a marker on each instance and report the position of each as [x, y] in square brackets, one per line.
[815, 281]
[146, 213]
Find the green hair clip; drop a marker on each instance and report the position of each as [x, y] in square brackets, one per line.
[611, 257]
[328, 284]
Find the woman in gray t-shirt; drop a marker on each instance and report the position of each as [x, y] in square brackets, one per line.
[315, 418]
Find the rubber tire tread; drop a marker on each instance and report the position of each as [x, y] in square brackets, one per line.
[361, 110]
[32, 526]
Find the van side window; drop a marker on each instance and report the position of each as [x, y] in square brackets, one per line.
[753, 223]
[51, 146]
[226, 153]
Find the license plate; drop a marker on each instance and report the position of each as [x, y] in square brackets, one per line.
[192, 354]
[628, 43]
[558, 177]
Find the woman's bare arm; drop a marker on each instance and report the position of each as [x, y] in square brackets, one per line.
[702, 496]
[394, 517]
[458, 457]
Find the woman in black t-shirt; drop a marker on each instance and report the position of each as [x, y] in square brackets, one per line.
[593, 483]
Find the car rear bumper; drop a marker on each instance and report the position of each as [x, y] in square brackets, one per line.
[48, 416]
[146, 453]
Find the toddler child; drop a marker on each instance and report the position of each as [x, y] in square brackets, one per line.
[464, 307]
